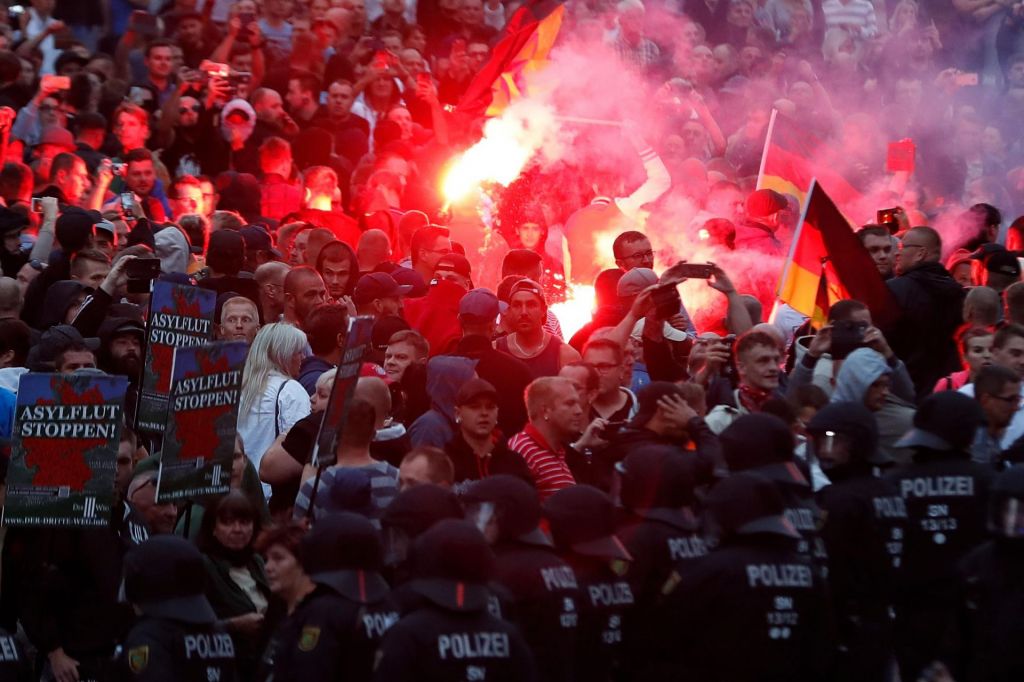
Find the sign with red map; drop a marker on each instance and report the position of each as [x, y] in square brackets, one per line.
[63, 459]
[199, 443]
[357, 343]
[180, 316]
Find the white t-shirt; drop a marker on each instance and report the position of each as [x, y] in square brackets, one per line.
[257, 427]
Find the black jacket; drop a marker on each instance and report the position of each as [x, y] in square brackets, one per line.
[509, 375]
[331, 636]
[752, 609]
[163, 650]
[931, 302]
[469, 467]
[705, 458]
[438, 644]
[545, 600]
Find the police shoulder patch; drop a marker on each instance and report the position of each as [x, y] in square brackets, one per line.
[309, 638]
[138, 658]
[619, 567]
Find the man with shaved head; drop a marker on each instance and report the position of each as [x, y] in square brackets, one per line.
[270, 276]
[931, 302]
[373, 249]
[304, 290]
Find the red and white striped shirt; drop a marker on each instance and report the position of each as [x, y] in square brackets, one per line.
[548, 467]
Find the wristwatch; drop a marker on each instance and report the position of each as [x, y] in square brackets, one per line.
[37, 264]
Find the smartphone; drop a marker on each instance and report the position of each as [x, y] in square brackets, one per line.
[37, 204]
[56, 82]
[215, 69]
[117, 169]
[900, 156]
[666, 301]
[965, 79]
[143, 23]
[245, 18]
[141, 272]
[847, 336]
[128, 205]
[695, 270]
[890, 218]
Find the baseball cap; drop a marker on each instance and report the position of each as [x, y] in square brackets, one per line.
[57, 136]
[1004, 263]
[473, 389]
[378, 285]
[481, 303]
[12, 221]
[944, 421]
[530, 287]
[74, 227]
[258, 239]
[455, 262]
[384, 328]
[764, 202]
[53, 341]
[635, 281]
[165, 577]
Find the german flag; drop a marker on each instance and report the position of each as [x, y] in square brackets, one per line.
[793, 156]
[827, 263]
[521, 51]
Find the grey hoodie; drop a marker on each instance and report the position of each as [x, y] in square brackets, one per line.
[445, 376]
[861, 369]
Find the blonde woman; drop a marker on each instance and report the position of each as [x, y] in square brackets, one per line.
[272, 400]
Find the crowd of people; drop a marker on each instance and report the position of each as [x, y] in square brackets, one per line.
[679, 488]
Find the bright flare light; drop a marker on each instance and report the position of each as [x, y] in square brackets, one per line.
[508, 144]
[576, 311]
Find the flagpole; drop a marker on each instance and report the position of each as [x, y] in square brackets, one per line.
[796, 238]
[764, 151]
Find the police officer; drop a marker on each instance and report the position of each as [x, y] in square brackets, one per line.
[990, 619]
[945, 494]
[14, 665]
[763, 443]
[410, 514]
[543, 589]
[754, 608]
[334, 632]
[582, 523]
[177, 638]
[450, 634]
[659, 529]
[865, 523]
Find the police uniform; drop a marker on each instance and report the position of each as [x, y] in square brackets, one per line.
[411, 513]
[334, 632]
[752, 609]
[544, 593]
[582, 525]
[945, 493]
[763, 444]
[989, 625]
[660, 532]
[177, 638]
[14, 666]
[865, 523]
[451, 635]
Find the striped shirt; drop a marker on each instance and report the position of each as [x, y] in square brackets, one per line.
[858, 14]
[548, 467]
[383, 489]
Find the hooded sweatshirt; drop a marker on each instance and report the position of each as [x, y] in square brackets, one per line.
[58, 300]
[861, 369]
[172, 248]
[445, 376]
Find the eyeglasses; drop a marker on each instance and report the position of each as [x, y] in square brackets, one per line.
[640, 255]
[911, 246]
[193, 108]
[603, 367]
